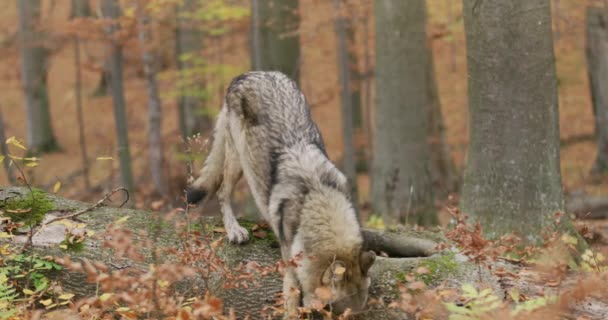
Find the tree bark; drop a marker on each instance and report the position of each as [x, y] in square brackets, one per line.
[348, 155]
[155, 145]
[368, 94]
[189, 39]
[443, 171]
[80, 9]
[353, 63]
[34, 69]
[597, 68]
[275, 44]
[401, 181]
[512, 179]
[111, 10]
[4, 152]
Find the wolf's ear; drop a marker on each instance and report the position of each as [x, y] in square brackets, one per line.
[366, 260]
[334, 273]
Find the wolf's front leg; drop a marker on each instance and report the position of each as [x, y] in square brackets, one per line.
[291, 294]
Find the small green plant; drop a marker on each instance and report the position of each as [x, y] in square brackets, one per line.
[531, 304]
[478, 303]
[30, 268]
[23, 280]
[593, 262]
[482, 304]
[8, 296]
[375, 221]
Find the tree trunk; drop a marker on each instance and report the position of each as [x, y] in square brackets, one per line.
[4, 152]
[597, 66]
[34, 69]
[80, 9]
[353, 64]
[369, 136]
[348, 156]
[443, 171]
[103, 86]
[189, 39]
[401, 181]
[111, 10]
[150, 62]
[512, 179]
[275, 45]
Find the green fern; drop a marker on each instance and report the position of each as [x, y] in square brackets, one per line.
[8, 296]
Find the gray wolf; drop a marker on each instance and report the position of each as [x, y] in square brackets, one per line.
[265, 132]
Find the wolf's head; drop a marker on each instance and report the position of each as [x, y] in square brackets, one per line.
[343, 284]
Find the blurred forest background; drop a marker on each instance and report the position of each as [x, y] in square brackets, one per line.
[178, 57]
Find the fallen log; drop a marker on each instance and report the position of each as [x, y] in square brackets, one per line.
[400, 251]
[588, 207]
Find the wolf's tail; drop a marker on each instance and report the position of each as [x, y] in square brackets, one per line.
[211, 175]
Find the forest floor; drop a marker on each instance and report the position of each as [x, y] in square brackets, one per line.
[321, 87]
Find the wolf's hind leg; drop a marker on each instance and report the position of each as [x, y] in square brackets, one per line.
[210, 176]
[232, 174]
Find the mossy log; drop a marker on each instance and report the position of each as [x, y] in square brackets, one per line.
[405, 250]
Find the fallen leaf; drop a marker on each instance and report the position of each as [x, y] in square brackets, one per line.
[46, 302]
[57, 186]
[66, 296]
[104, 297]
[261, 234]
[13, 141]
[422, 270]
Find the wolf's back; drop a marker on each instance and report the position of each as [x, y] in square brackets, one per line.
[273, 101]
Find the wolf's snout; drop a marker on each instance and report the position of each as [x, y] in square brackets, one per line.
[194, 196]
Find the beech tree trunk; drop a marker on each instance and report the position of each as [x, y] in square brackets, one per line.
[80, 9]
[343, 61]
[4, 152]
[512, 179]
[597, 68]
[443, 170]
[34, 69]
[401, 182]
[189, 41]
[275, 45]
[155, 143]
[111, 10]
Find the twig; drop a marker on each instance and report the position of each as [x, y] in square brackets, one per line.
[88, 209]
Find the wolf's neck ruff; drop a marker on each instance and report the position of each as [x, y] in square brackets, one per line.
[265, 132]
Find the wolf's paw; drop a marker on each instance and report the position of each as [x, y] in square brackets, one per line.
[237, 234]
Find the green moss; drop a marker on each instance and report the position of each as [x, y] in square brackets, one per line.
[68, 245]
[28, 209]
[439, 268]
